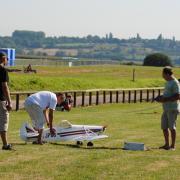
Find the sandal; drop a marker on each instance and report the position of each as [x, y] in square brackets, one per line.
[165, 147]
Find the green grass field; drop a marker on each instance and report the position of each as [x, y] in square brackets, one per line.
[82, 78]
[107, 160]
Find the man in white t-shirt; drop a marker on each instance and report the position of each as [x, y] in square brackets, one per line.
[40, 107]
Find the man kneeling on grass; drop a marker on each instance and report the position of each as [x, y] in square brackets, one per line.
[171, 107]
[40, 107]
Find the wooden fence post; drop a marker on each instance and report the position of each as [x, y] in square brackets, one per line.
[117, 96]
[83, 98]
[129, 97]
[97, 97]
[123, 98]
[104, 97]
[141, 93]
[147, 96]
[110, 96]
[17, 102]
[159, 92]
[153, 95]
[133, 75]
[135, 96]
[90, 98]
[75, 99]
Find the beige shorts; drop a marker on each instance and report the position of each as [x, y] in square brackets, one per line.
[168, 119]
[36, 114]
[4, 117]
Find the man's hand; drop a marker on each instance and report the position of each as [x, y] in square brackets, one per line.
[52, 131]
[9, 107]
[159, 99]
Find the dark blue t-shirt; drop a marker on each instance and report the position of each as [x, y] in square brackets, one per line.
[3, 78]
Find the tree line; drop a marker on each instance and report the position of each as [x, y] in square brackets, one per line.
[107, 47]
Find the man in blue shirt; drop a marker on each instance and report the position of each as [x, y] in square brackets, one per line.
[171, 107]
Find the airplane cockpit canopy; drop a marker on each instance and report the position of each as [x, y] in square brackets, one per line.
[65, 124]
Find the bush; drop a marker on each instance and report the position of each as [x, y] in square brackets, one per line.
[157, 59]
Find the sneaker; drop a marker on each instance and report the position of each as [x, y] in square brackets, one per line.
[172, 148]
[7, 147]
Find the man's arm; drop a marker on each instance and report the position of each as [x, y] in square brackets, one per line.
[6, 92]
[172, 98]
[175, 97]
[46, 115]
[51, 111]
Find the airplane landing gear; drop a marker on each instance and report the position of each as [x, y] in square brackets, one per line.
[90, 144]
[79, 143]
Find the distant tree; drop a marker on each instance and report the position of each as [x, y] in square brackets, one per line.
[7, 42]
[110, 36]
[30, 39]
[107, 37]
[157, 59]
[138, 37]
[160, 37]
[174, 39]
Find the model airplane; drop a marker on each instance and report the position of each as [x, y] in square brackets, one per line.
[65, 132]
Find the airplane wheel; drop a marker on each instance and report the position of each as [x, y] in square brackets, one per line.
[79, 143]
[90, 144]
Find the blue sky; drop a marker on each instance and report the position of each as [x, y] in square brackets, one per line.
[124, 18]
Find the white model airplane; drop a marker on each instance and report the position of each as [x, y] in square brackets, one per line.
[65, 132]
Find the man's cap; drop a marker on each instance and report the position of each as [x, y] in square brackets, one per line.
[168, 70]
[2, 54]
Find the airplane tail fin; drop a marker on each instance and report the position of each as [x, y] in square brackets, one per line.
[104, 127]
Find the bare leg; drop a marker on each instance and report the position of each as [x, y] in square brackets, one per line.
[166, 137]
[173, 137]
[4, 138]
[40, 136]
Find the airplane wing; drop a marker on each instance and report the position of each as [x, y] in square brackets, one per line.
[89, 136]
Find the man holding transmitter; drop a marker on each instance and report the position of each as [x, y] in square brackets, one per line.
[171, 107]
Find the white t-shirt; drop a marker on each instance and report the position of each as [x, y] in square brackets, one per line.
[44, 99]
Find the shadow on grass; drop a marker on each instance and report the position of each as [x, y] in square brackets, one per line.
[19, 144]
[148, 113]
[85, 147]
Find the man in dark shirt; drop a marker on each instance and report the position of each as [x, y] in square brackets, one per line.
[5, 102]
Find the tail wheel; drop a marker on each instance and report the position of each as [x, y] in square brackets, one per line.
[79, 143]
[90, 144]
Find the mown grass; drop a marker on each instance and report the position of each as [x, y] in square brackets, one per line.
[92, 77]
[126, 122]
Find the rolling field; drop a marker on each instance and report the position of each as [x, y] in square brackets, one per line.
[92, 77]
[106, 160]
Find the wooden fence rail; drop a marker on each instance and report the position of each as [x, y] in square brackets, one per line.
[99, 96]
